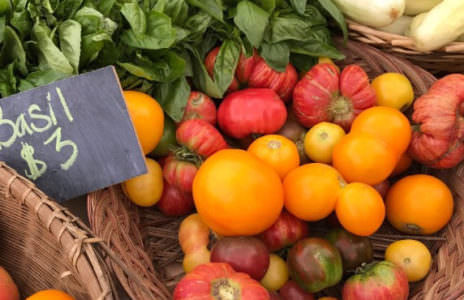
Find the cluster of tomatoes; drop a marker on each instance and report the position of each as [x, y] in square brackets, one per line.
[340, 169]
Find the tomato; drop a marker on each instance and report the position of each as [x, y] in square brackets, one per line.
[168, 140]
[218, 281]
[387, 124]
[403, 164]
[327, 298]
[292, 291]
[200, 106]
[179, 173]
[50, 295]
[259, 111]
[382, 188]
[210, 61]
[419, 204]
[412, 256]
[174, 202]
[8, 288]
[360, 209]
[327, 60]
[276, 275]
[311, 191]
[145, 190]
[393, 90]
[147, 117]
[321, 140]
[360, 157]
[200, 137]
[237, 194]
[278, 152]
[295, 132]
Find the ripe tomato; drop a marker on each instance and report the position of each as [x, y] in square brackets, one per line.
[237, 194]
[321, 140]
[147, 117]
[360, 209]
[200, 106]
[278, 152]
[411, 255]
[387, 124]
[419, 204]
[50, 295]
[145, 190]
[276, 275]
[403, 164]
[311, 191]
[393, 90]
[361, 157]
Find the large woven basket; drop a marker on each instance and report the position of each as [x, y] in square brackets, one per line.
[449, 59]
[147, 241]
[43, 246]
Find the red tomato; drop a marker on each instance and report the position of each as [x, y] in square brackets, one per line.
[200, 106]
[174, 202]
[179, 173]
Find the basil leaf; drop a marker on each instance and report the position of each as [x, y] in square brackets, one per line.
[290, 27]
[92, 44]
[173, 98]
[21, 21]
[135, 16]
[40, 78]
[168, 68]
[299, 5]
[212, 7]
[268, 5]
[198, 24]
[277, 56]
[202, 80]
[70, 42]
[67, 8]
[303, 63]
[314, 16]
[252, 20]
[177, 10]
[13, 51]
[226, 64]
[7, 81]
[2, 28]
[336, 14]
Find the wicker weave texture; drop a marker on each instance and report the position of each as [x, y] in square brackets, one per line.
[147, 241]
[43, 246]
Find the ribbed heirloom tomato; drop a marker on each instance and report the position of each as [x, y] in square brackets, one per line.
[277, 151]
[236, 194]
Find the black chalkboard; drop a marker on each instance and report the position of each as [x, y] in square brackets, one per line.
[71, 137]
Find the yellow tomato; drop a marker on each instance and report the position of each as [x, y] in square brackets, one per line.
[413, 256]
[278, 152]
[146, 190]
[276, 275]
[393, 90]
[50, 295]
[320, 141]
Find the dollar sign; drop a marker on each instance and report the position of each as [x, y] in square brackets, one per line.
[36, 167]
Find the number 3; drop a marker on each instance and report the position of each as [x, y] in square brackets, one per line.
[60, 144]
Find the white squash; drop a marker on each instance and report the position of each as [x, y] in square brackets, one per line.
[375, 13]
[400, 26]
[438, 27]
[415, 7]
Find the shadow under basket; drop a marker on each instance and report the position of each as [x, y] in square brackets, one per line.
[43, 246]
[146, 241]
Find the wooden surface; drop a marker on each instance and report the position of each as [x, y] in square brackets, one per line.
[71, 137]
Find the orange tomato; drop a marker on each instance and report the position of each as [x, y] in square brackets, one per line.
[419, 204]
[50, 295]
[147, 117]
[361, 157]
[360, 209]
[237, 194]
[278, 152]
[403, 164]
[311, 191]
[386, 123]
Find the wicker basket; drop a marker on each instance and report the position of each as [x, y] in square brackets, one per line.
[449, 59]
[44, 246]
[147, 241]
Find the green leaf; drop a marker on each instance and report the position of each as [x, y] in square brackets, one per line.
[21, 21]
[67, 8]
[40, 78]
[212, 7]
[7, 81]
[303, 63]
[135, 16]
[70, 42]
[268, 5]
[159, 35]
[93, 21]
[277, 56]
[201, 79]
[292, 27]
[299, 5]
[160, 6]
[252, 20]
[168, 68]
[198, 24]
[336, 14]
[105, 6]
[173, 98]
[225, 65]
[2, 28]
[92, 44]
[13, 51]
[177, 10]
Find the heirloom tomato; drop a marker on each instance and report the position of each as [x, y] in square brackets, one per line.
[321, 140]
[174, 202]
[292, 291]
[278, 152]
[419, 204]
[360, 209]
[50, 295]
[393, 90]
[147, 117]
[179, 173]
[361, 157]
[210, 61]
[218, 281]
[145, 190]
[168, 140]
[237, 194]
[311, 191]
[200, 106]
[387, 124]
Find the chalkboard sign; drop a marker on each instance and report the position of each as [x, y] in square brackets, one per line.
[71, 137]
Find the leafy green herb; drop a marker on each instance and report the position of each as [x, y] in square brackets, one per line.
[252, 20]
